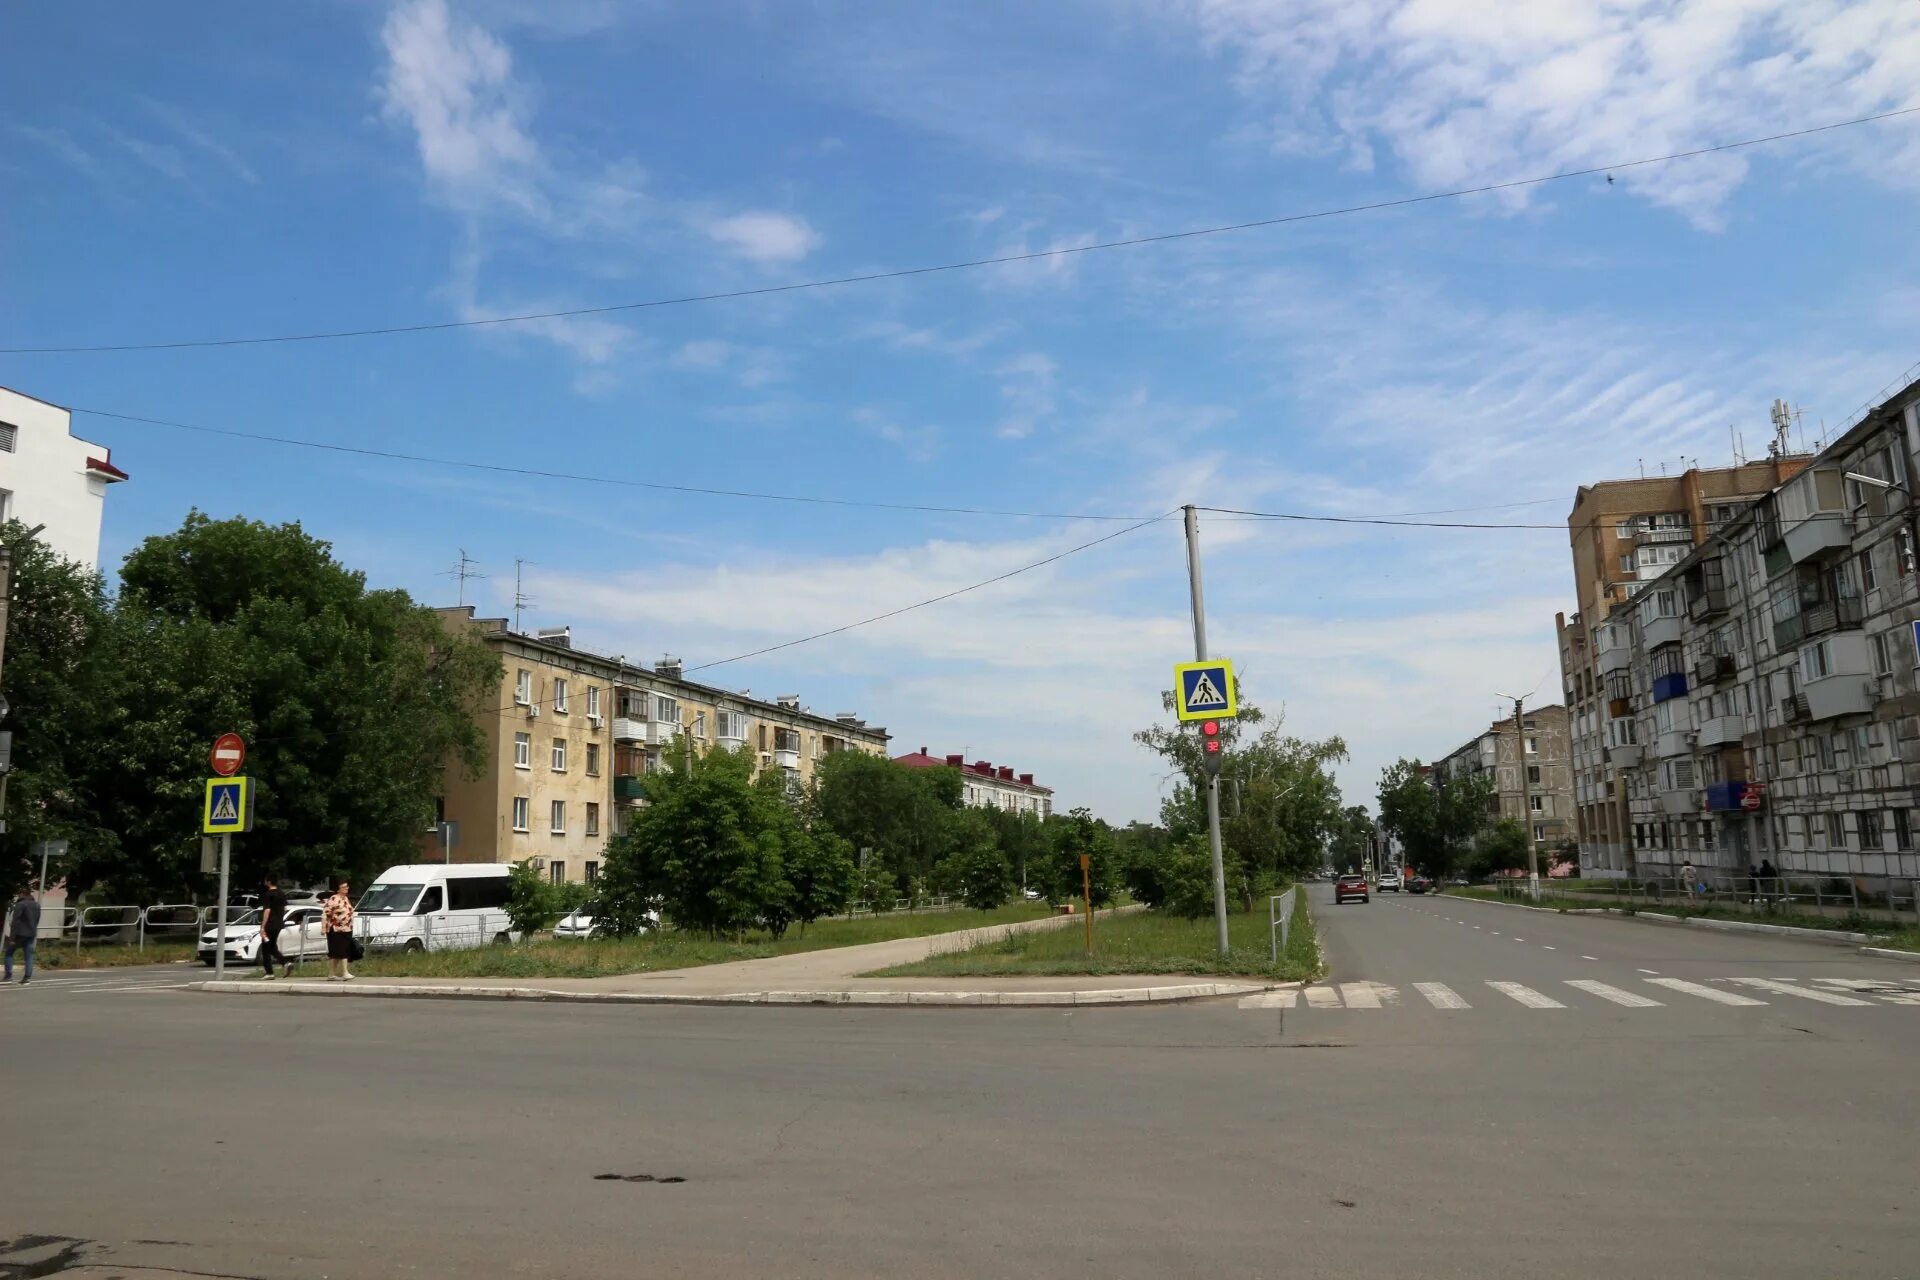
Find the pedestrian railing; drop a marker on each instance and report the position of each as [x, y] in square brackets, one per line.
[1279, 922]
[1828, 897]
[169, 918]
[116, 921]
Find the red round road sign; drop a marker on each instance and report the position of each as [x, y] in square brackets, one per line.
[228, 754]
[1750, 800]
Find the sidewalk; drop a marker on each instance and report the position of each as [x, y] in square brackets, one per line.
[830, 976]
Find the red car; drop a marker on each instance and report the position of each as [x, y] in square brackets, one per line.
[1350, 887]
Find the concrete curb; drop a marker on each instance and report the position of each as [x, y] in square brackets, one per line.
[965, 999]
[1888, 953]
[1833, 937]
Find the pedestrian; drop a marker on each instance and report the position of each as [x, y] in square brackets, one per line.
[273, 918]
[337, 922]
[1769, 878]
[1687, 877]
[23, 927]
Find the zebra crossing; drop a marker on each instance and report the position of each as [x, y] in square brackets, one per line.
[1576, 993]
[95, 982]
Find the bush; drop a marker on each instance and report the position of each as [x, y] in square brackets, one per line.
[1074, 834]
[533, 902]
[982, 876]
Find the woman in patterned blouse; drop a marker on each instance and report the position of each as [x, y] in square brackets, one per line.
[337, 924]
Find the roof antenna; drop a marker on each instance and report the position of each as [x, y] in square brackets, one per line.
[520, 600]
[467, 568]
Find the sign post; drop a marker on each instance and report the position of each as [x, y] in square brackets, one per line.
[1086, 895]
[1205, 690]
[229, 808]
[449, 839]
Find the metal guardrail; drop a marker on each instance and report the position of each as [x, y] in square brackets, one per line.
[1833, 897]
[126, 922]
[1280, 921]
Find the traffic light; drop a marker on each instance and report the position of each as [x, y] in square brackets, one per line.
[1211, 747]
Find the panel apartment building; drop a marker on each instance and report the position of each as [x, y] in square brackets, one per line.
[984, 785]
[1541, 798]
[1624, 534]
[51, 477]
[1761, 698]
[572, 734]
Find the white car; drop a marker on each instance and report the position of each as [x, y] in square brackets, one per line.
[1389, 882]
[243, 936]
[575, 924]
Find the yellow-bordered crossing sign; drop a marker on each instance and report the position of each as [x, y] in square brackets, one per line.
[1204, 690]
[229, 807]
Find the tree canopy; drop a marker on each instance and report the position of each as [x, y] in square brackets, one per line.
[1435, 820]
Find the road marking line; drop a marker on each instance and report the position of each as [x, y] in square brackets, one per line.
[1526, 995]
[1881, 988]
[1805, 993]
[1441, 996]
[1544, 945]
[1269, 1000]
[1323, 998]
[1705, 993]
[1655, 971]
[1589, 957]
[1368, 995]
[159, 986]
[1614, 994]
[1476, 928]
[1495, 932]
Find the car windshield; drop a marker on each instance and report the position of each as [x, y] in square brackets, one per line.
[388, 898]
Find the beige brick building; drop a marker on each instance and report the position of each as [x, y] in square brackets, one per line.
[1531, 769]
[572, 734]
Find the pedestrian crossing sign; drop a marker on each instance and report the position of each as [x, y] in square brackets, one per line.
[229, 807]
[1205, 691]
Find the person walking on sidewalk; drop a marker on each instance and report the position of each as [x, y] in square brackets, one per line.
[337, 922]
[1688, 876]
[273, 918]
[23, 927]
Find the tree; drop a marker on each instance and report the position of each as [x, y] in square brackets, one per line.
[1022, 838]
[1072, 835]
[1352, 837]
[821, 873]
[533, 902]
[899, 814]
[1186, 875]
[1435, 820]
[980, 872]
[1501, 847]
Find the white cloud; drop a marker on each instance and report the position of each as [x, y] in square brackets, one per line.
[1465, 91]
[178, 121]
[62, 144]
[763, 236]
[1027, 389]
[921, 443]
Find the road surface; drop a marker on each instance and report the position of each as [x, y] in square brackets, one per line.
[1478, 1092]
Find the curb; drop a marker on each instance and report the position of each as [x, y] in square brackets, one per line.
[1888, 953]
[1832, 937]
[968, 999]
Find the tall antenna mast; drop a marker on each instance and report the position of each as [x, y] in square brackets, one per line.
[467, 568]
[520, 601]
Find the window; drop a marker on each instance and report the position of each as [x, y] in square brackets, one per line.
[1538, 803]
[593, 821]
[558, 823]
[6, 505]
[1867, 581]
[1902, 829]
[1815, 662]
[732, 726]
[559, 755]
[1882, 661]
[523, 751]
[1828, 758]
[593, 702]
[1533, 773]
[666, 710]
[1626, 562]
[429, 902]
[1868, 822]
[478, 893]
[1836, 831]
[560, 697]
[1539, 832]
[591, 871]
[557, 871]
[593, 759]
[523, 687]
[8, 437]
[1533, 746]
[520, 810]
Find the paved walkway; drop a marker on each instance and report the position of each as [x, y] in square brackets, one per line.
[828, 976]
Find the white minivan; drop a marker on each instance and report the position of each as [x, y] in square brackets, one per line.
[435, 907]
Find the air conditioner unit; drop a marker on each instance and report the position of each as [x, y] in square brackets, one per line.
[533, 711]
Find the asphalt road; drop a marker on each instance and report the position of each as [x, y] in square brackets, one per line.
[1366, 1132]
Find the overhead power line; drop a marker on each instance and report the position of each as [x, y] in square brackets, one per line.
[1005, 259]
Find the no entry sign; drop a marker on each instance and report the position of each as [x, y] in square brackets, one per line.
[228, 754]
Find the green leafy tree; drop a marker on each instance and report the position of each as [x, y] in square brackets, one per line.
[900, 815]
[1186, 875]
[821, 873]
[981, 874]
[1435, 821]
[1022, 838]
[1352, 837]
[1073, 834]
[533, 901]
[1501, 847]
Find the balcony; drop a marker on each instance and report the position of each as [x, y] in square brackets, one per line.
[1678, 804]
[1647, 537]
[1813, 521]
[1833, 615]
[629, 787]
[1617, 656]
[659, 733]
[730, 742]
[1712, 668]
[785, 758]
[1620, 708]
[627, 729]
[1726, 797]
[1626, 756]
[1655, 632]
[1672, 743]
[1707, 602]
[1721, 730]
[1793, 709]
[1670, 686]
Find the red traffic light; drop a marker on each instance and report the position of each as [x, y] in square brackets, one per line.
[1211, 728]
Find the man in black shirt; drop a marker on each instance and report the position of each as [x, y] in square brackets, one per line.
[273, 917]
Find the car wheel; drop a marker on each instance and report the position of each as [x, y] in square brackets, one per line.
[415, 946]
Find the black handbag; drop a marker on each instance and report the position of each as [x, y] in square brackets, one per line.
[356, 950]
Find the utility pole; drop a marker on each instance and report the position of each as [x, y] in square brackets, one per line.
[6, 604]
[1526, 801]
[1213, 780]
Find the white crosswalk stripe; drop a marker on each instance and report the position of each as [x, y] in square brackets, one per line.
[1441, 996]
[1705, 993]
[1805, 993]
[1269, 1000]
[1615, 994]
[1879, 988]
[1526, 995]
[1323, 998]
[1360, 995]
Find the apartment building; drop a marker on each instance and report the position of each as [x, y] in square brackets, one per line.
[1762, 696]
[1623, 535]
[1531, 768]
[985, 785]
[51, 477]
[572, 734]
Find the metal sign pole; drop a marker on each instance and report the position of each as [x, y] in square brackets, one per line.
[1213, 783]
[220, 939]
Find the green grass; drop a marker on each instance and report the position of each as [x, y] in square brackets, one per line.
[1552, 899]
[1905, 940]
[672, 949]
[52, 954]
[1143, 942]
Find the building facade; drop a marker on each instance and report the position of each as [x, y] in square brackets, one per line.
[1625, 534]
[984, 785]
[572, 734]
[1762, 696]
[50, 477]
[1531, 768]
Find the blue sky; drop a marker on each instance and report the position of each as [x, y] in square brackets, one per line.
[238, 169]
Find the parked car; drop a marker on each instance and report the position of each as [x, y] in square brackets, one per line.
[1350, 887]
[1390, 881]
[243, 936]
[435, 907]
[575, 924]
[1419, 884]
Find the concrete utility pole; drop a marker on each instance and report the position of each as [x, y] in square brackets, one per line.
[1213, 782]
[1526, 801]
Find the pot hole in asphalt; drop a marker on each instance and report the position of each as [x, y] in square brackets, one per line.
[633, 1177]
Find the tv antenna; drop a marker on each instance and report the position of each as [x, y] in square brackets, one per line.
[521, 602]
[467, 568]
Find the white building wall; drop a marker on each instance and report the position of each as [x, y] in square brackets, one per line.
[983, 792]
[45, 478]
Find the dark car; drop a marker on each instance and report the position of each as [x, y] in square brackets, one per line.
[1350, 887]
[1419, 884]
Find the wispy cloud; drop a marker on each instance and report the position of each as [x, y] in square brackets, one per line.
[1027, 389]
[761, 236]
[62, 144]
[185, 127]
